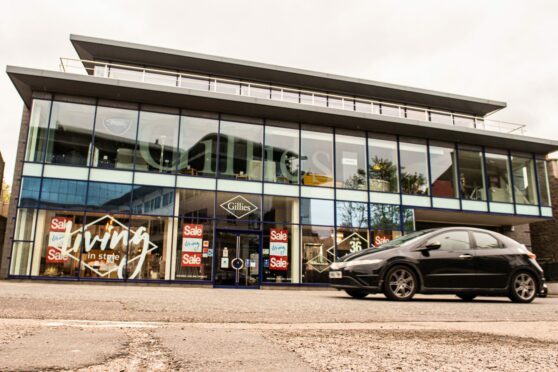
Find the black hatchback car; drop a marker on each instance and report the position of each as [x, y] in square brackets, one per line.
[464, 261]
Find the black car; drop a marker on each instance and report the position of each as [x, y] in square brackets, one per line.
[464, 261]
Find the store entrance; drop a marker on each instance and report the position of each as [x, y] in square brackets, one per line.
[237, 259]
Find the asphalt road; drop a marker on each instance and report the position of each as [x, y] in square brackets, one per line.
[88, 327]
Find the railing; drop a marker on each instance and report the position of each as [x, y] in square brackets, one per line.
[284, 94]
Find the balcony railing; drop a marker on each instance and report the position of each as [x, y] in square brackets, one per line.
[284, 94]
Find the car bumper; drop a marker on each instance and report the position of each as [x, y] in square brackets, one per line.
[543, 291]
[343, 279]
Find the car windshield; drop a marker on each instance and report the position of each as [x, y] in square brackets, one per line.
[404, 239]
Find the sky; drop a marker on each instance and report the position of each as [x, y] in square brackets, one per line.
[500, 50]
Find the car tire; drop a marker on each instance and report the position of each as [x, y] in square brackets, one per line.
[400, 283]
[523, 287]
[356, 293]
[467, 297]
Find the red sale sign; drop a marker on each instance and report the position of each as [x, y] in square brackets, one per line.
[192, 231]
[56, 238]
[278, 263]
[278, 236]
[58, 224]
[54, 255]
[191, 259]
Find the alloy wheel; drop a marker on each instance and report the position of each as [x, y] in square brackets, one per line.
[524, 286]
[401, 283]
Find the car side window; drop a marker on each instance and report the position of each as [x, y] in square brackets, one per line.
[452, 240]
[486, 241]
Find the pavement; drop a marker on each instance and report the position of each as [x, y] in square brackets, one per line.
[95, 327]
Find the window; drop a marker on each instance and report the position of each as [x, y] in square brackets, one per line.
[157, 141]
[352, 214]
[350, 240]
[486, 241]
[443, 167]
[316, 212]
[382, 163]
[63, 194]
[524, 183]
[452, 240]
[317, 158]
[281, 253]
[30, 189]
[498, 173]
[195, 203]
[350, 163]
[318, 252]
[414, 170]
[240, 155]
[281, 209]
[198, 146]
[153, 200]
[282, 154]
[471, 173]
[70, 134]
[115, 138]
[109, 197]
[544, 189]
[38, 126]
[384, 217]
[194, 249]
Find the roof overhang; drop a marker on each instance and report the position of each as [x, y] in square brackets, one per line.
[473, 218]
[28, 80]
[90, 48]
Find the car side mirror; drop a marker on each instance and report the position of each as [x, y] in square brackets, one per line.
[432, 246]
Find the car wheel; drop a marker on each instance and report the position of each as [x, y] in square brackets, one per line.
[400, 284]
[466, 297]
[356, 293]
[523, 287]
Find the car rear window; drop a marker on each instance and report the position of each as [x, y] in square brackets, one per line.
[486, 241]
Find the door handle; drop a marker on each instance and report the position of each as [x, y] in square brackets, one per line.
[466, 256]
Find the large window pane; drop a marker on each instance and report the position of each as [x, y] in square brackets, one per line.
[350, 162]
[30, 189]
[524, 181]
[157, 141]
[414, 170]
[281, 255]
[544, 188]
[382, 163]
[240, 155]
[316, 212]
[20, 262]
[195, 203]
[317, 158]
[25, 224]
[70, 134]
[281, 155]
[194, 255]
[352, 214]
[38, 126]
[115, 138]
[198, 146]
[63, 194]
[153, 200]
[498, 173]
[109, 197]
[384, 217]
[281, 209]
[318, 252]
[443, 167]
[471, 173]
[350, 240]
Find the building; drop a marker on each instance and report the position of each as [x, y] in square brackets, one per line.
[3, 210]
[141, 163]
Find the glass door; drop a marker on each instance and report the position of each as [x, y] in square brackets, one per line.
[237, 259]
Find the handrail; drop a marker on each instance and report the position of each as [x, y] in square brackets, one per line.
[276, 92]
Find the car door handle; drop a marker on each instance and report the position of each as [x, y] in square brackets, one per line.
[466, 256]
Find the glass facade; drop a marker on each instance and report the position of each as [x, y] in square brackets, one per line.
[153, 204]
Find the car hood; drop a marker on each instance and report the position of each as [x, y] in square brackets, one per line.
[372, 252]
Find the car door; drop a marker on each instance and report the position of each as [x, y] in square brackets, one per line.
[450, 266]
[492, 262]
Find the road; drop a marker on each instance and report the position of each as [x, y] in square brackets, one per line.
[92, 327]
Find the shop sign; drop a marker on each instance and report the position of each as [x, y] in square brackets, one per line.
[352, 243]
[191, 259]
[239, 206]
[381, 237]
[57, 233]
[192, 235]
[278, 249]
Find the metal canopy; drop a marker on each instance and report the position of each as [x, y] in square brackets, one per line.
[28, 80]
[90, 48]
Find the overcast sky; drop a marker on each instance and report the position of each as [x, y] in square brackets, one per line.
[501, 50]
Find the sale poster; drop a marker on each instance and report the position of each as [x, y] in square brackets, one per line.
[192, 245]
[278, 249]
[56, 236]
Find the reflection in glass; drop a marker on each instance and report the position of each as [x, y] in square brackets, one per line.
[109, 197]
[443, 167]
[471, 173]
[157, 141]
[280, 209]
[153, 200]
[317, 158]
[195, 203]
[352, 214]
[414, 170]
[318, 252]
[198, 146]
[408, 216]
[384, 217]
[316, 212]
[281, 155]
[498, 173]
[25, 224]
[20, 262]
[382, 153]
[115, 138]
[66, 194]
[350, 162]
[544, 188]
[38, 126]
[524, 180]
[70, 134]
[240, 155]
[29, 195]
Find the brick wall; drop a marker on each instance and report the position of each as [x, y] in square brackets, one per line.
[520, 233]
[16, 184]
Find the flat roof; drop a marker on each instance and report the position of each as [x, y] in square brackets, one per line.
[27, 80]
[91, 48]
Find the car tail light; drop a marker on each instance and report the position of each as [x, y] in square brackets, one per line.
[532, 256]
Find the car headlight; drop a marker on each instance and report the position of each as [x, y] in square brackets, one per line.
[345, 264]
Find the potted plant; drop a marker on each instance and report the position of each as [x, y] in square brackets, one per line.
[383, 175]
